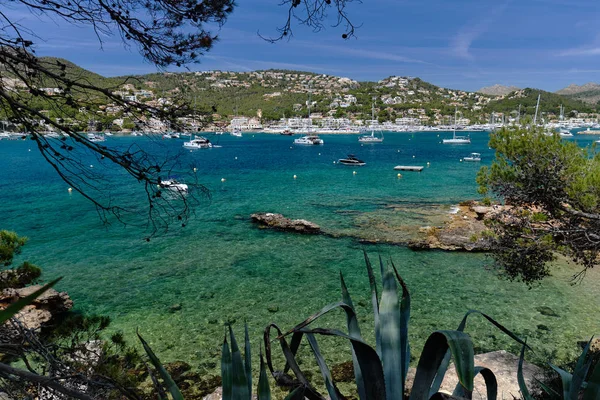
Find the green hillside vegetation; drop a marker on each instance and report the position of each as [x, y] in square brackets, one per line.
[549, 103]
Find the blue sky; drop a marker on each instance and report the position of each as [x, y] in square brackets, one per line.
[461, 44]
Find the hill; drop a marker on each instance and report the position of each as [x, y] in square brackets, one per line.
[588, 93]
[549, 103]
[497, 90]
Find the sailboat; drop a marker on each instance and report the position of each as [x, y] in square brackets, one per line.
[457, 139]
[371, 138]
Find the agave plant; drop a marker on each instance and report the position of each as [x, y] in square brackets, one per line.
[574, 386]
[381, 372]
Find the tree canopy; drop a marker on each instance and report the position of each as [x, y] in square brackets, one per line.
[552, 191]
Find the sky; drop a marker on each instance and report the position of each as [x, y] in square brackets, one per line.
[459, 44]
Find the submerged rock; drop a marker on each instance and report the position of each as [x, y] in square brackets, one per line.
[547, 311]
[279, 222]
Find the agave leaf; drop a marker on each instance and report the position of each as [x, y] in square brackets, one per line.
[289, 356]
[171, 386]
[491, 385]
[437, 383]
[354, 331]
[264, 391]
[247, 358]
[226, 374]
[434, 352]
[294, 346]
[346, 307]
[592, 392]
[566, 379]
[370, 364]
[520, 379]
[391, 350]
[404, 321]
[580, 372]
[553, 394]
[238, 372]
[18, 305]
[375, 303]
[329, 384]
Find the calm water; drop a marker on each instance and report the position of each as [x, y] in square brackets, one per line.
[222, 268]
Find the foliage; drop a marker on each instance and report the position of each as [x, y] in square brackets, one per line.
[10, 245]
[552, 188]
[24, 274]
[582, 383]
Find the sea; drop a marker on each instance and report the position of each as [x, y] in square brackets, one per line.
[182, 288]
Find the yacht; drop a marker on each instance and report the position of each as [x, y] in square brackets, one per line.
[198, 142]
[237, 132]
[457, 139]
[473, 157]
[93, 137]
[565, 133]
[351, 160]
[170, 135]
[173, 185]
[371, 138]
[309, 140]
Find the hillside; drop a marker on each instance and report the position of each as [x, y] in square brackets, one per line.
[274, 94]
[498, 90]
[549, 103]
[588, 93]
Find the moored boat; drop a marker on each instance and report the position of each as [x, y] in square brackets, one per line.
[199, 142]
[309, 140]
[351, 160]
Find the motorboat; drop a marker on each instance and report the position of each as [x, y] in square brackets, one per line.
[199, 142]
[93, 137]
[170, 135]
[473, 157]
[457, 139]
[309, 140]
[135, 133]
[4, 135]
[565, 133]
[351, 160]
[236, 132]
[371, 138]
[286, 132]
[174, 185]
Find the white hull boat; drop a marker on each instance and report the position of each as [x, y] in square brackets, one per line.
[309, 140]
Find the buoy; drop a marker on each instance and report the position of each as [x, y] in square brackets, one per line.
[222, 179]
[398, 151]
[294, 176]
[399, 175]
[353, 172]
[91, 166]
[70, 190]
[319, 153]
[291, 147]
[29, 150]
[428, 163]
[334, 162]
[236, 158]
[414, 156]
[195, 169]
[461, 160]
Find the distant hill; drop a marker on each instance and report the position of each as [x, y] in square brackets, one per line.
[549, 103]
[589, 92]
[497, 90]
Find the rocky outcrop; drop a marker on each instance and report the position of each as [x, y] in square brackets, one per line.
[43, 309]
[281, 223]
[463, 231]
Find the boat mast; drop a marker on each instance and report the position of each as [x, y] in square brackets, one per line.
[536, 110]
[373, 118]
[454, 130]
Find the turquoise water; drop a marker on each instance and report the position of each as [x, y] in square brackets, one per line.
[221, 268]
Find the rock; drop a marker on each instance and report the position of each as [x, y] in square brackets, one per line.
[542, 327]
[547, 311]
[273, 308]
[41, 310]
[279, 222]
[343, 372]
[216, 395]
[504, 365]
[481, 211]
[177, 368]
[175, 307]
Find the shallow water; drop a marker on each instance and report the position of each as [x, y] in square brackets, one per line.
[221, 268]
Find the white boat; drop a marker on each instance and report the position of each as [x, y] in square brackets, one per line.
[199, 142]
[172, 184]
[371, 138]
[108, 133]
[4, 135]
[170, 135]
[473, 157]
[93, 137]
[565, 133]
[351, 160]
[236, 132]
[137, 134]
[457, 139]
[309, 140]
